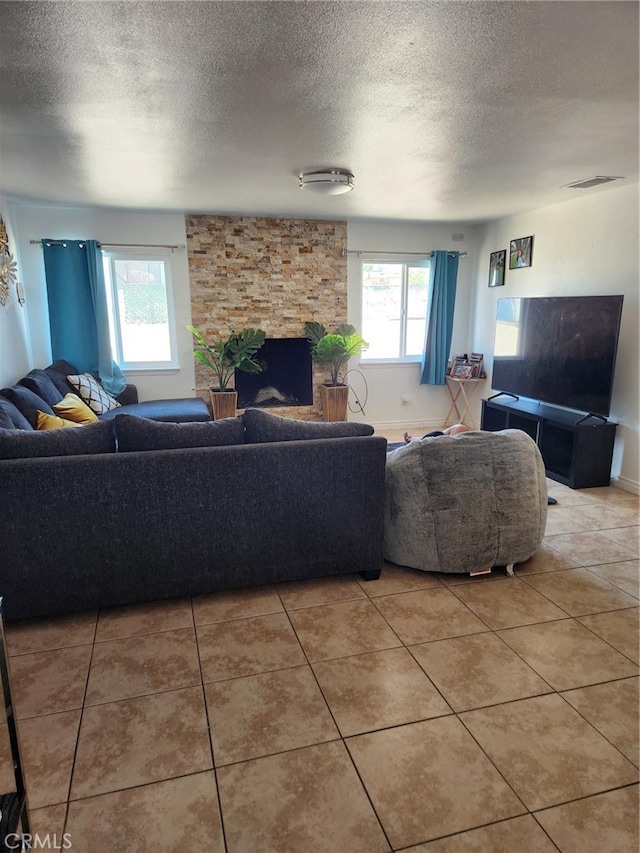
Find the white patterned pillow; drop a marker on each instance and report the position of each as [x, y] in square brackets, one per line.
[93, 394]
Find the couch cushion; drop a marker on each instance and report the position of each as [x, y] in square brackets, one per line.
[27, 402]
[262, 426]
[134, 433]
[92, 392]
[43, 385]
[58, 372]
[74, 409]
[16, 419]
[26, 444]
[181, 410]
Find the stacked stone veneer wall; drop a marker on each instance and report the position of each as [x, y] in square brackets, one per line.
[272, 274]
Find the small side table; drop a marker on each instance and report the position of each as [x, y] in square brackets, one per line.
[14, 812]
[457, 388]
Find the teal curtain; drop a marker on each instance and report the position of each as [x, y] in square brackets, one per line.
[442, 299]
[78, 319]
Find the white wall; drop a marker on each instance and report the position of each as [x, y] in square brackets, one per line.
[33, 222]
[388, 384]
[588, 245]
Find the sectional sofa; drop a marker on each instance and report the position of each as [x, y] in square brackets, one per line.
[129, 509]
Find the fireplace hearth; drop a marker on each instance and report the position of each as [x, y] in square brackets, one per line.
[286, 378]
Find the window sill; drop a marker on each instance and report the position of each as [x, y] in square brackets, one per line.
[389, 362]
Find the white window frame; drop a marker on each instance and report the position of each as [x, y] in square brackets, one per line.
[406, 262]
[109, 257]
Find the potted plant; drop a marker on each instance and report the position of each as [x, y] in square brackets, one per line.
[237, 352]
[334, 350]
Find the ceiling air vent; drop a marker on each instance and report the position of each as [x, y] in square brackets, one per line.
[592, 182]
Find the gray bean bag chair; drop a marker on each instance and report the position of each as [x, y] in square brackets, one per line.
[465, 502]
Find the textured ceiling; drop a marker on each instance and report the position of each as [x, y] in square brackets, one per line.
[462, 111]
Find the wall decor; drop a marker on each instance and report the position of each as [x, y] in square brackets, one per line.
[520, 253]
[8, 269]
[497, 262]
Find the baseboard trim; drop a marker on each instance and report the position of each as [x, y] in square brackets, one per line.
[626, 485]
[425, 426]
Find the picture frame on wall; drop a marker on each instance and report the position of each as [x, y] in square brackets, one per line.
[497, 261]
[520, 253]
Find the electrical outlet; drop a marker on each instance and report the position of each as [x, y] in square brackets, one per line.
[405, 399]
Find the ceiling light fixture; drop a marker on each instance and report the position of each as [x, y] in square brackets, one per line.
[327, 181]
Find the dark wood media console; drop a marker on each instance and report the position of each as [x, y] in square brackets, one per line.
[577, 451]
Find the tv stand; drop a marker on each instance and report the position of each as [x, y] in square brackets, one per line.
[577, 451]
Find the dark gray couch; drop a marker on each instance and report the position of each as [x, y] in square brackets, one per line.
[42, 389]
[92, 529]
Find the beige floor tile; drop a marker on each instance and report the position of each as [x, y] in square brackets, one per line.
[236, 604]
[567, 655]
[168, 817]
[399, 579]
[378, 690]
[562, 521]
[451, 579]
[618, 628]
[50, 821]
[545, 560]
[135, 666]
[478, 670]
[606, 823]
[7, 776]
[262, 714]
[43, 635]
[570, 497]
[328, 590]
[429, 779]
[589, 549]
[137, 741]
[580, 592]
[347, 628]
[547, 752]
[47, 747]
[47, 682]
[601, 516]
[137, 619]
[508, 603]
[247, 647]
[613, 495]
[516, 835]
[627, 537]
[261, 803]
[625, 575]
[613, 709]
[430, 614]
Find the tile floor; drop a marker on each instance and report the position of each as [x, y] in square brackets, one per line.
[420, 712]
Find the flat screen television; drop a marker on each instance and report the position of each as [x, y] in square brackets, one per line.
[558, 349]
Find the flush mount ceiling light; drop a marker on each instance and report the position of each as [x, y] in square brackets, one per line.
[327, 181]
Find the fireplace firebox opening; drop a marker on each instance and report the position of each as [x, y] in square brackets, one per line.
[286, 378]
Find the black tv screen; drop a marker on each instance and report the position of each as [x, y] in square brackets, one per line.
[558, 349]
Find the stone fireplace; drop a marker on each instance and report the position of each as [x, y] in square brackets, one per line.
[273, 274]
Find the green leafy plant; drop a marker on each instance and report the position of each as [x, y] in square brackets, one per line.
[237, 352]
[333, 349]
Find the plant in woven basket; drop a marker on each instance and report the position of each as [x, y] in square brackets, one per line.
[224, 357]
[334, 350]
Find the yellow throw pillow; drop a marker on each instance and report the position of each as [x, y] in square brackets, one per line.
[74, 409]
[45, 421]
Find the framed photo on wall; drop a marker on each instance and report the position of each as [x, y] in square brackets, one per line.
[497, 262]
[520, 253]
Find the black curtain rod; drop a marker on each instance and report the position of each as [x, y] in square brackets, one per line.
[115, 245]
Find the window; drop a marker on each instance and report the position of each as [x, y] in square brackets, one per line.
[140, 310]
[394, 309]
